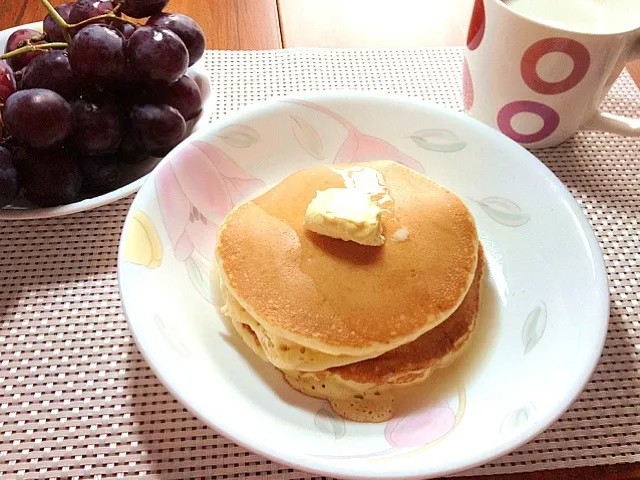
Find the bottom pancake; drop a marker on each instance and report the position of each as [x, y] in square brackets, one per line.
[363, 392]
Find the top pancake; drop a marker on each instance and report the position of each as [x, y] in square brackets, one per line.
[341, 297]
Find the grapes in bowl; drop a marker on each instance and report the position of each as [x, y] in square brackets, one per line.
[91, 99]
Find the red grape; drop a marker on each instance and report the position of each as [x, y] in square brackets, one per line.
[158, 54]
[48, 177]
[100, 174]
[7, 81]
[37, 118]
[86, 9]
[127, 30]
[96, 126]
[19, 39]
[142, 8]
[73, 119]
[130, 86]
[8, 178]
[51, 28]
[183, 95]
[98, 54]
[157, 128]
[130, 152]
[52, 71]
[186, 28]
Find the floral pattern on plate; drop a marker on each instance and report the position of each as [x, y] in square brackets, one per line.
[196, 190]
[405, 434]
[164, 266]
[356, 148]
[141, 242]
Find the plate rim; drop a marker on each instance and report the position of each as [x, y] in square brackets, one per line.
[312, 465]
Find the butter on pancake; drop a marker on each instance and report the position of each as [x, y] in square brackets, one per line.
[340, 302]
[345, 213]
[363, 391]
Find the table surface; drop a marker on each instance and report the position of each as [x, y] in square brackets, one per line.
[273, 24]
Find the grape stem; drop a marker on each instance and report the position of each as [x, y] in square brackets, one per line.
[64, 27]
[33, 48]
[111, 16]
[34, 40]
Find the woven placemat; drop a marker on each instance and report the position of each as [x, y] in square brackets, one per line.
[78, 401]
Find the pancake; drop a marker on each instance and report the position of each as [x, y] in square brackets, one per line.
[317, 302]
[363, 391]
[280, 352]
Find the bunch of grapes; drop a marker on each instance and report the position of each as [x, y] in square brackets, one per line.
[96, 92]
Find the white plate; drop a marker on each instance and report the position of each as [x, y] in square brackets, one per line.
[542, 324]
[137, 174]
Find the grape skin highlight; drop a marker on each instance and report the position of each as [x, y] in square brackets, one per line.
[158, 54]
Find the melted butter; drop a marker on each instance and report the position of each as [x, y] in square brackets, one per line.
[370, 181]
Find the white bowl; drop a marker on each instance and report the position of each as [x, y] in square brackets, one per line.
[542, 323]
[137, 173]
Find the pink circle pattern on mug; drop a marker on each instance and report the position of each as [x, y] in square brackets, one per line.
[578, 53]
[476, 25]
[551, 119]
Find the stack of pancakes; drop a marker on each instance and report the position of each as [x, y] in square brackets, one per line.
[343, 321]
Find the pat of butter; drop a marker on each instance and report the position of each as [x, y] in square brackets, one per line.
[347, 214]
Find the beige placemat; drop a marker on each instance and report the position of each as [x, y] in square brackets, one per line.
[78, 401]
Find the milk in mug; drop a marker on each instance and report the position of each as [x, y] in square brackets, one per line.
[591, 16]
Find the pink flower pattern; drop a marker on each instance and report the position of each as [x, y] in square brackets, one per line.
[359, 147]
[420, 428]
[195, 190]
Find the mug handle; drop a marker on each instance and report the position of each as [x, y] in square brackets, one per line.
[608, 122]
[617, 124]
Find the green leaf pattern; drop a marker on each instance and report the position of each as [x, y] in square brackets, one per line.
[330, 424]
[307, 137]
[438, 140]
[518, 418]
[239, 136]
[199, 275]
[534, 327]
[504, 211]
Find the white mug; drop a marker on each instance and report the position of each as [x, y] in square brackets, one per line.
[539, 74]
